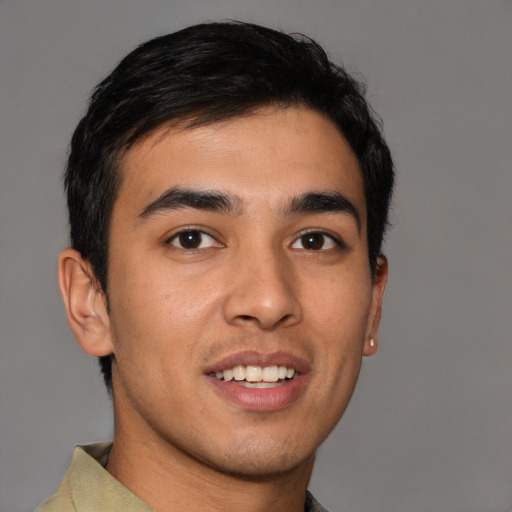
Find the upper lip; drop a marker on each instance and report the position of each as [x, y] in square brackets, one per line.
[255, 358]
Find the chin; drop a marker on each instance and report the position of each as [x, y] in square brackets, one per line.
[260, 459]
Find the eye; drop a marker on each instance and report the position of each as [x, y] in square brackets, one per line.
[192, 239]
[316, 241]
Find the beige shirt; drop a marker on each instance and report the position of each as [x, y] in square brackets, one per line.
[89, 487]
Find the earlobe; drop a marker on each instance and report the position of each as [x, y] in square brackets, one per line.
[379, 285]
[85, 305]
[370, 346]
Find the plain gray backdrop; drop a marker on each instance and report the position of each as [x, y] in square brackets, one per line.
[430, 425]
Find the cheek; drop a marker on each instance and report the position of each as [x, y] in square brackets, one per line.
[339, 328]
[339, 306]
[339, 313]
[157, 310]
[154, 326]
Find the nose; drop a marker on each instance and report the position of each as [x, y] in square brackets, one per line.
[263, 292]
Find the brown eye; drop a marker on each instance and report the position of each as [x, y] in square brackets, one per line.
[192, 239]
[315, 241]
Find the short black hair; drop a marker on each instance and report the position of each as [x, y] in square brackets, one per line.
[200, 75]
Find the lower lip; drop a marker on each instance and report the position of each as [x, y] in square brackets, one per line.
[258, 399]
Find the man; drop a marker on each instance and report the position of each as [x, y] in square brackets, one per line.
[228, 192]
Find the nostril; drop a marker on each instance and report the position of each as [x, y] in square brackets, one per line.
[268, 307]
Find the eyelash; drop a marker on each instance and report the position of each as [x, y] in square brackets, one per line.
[191, 231]
[338, 244]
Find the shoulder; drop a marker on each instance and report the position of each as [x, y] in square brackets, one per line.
[88, 486]
[59, 502]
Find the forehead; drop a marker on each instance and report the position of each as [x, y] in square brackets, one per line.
[261, 158]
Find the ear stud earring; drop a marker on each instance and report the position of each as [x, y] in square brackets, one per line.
[372, 342]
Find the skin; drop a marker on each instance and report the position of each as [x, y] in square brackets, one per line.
[253, 284]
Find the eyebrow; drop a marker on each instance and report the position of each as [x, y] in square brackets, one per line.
[176, 198]
[329, 201]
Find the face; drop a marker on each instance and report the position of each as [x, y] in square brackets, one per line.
[241, 299]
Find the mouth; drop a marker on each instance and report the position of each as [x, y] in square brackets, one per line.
[259, 382]
[257, 377]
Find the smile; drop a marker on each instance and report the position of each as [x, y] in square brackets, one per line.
[256, 376]
[260, 382]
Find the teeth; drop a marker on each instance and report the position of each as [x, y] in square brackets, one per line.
[239, 373]
[227, 374]
[253, 374]
[270, 374]
[256, 374]
[259, 385]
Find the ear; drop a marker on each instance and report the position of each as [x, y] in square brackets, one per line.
[380, 279]
[85, 304]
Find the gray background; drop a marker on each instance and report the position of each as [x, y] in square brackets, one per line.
[430, 426]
